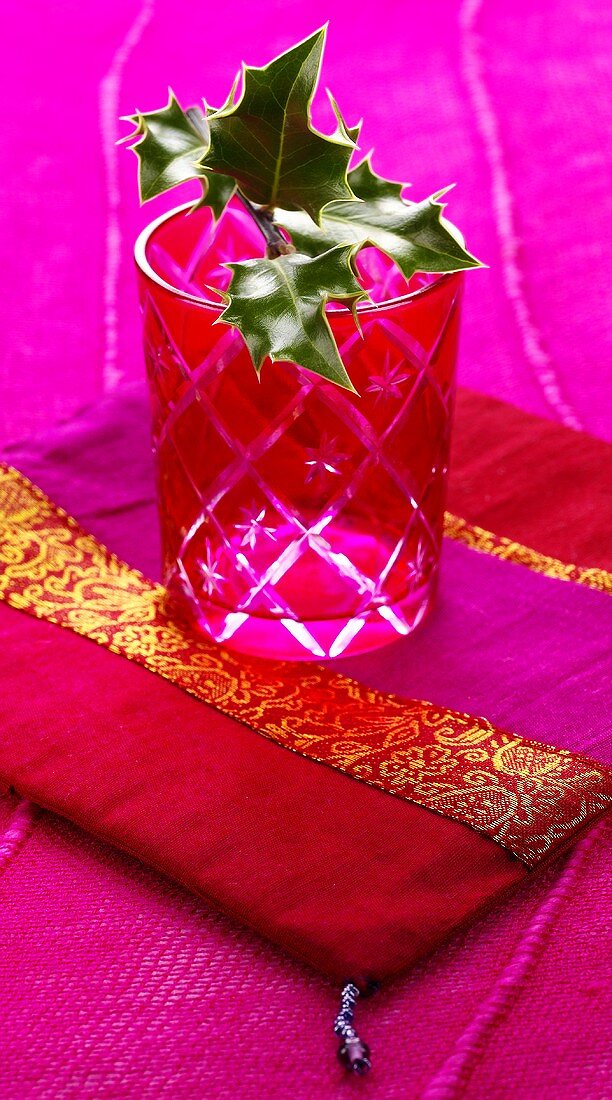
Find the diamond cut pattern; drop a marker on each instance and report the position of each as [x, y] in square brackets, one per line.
[289, 507]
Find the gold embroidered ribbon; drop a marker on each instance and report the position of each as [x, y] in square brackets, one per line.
[528, 797]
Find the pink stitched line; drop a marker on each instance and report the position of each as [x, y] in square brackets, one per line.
[454, 1073]
[17, 833]
[108, 105]
[503, 207]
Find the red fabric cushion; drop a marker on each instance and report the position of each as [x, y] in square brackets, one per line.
[353, 880]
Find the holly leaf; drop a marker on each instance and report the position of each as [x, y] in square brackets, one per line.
[279, 307]
[367, 184]
[266, 142]
[168, 148]
[217, 192]
[170, 143]
[348, 134]
[413, 234]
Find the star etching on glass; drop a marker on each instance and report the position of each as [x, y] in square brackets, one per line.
[324, 459]
[211, 579]
[162, 358]
[254, 528]
[417, 568]
[388, 383]
[373, 595]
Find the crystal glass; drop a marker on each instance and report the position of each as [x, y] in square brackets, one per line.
[298, 520]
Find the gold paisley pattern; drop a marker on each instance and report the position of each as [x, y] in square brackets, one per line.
[528, 797]
[477, 538]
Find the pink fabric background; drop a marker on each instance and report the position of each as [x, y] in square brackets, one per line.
[448, 95]
[114, 983]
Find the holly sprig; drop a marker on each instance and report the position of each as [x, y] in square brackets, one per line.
[314, 212]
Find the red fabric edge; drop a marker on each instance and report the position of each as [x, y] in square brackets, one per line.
[532, 480]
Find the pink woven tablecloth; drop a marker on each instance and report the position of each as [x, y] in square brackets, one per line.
[114, 983]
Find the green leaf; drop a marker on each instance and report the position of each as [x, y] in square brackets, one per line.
[266, 142]
[413, 234]
[168, 148]
[367, 184]
[348, 134]
[279, 307]
[217, 192]
[171, 141]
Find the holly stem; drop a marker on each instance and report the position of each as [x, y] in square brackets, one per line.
[276, 244]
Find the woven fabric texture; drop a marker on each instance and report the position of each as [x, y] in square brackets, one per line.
[114, 983]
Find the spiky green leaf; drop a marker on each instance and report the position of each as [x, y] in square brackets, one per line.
[279, 307]
[169, 144]
[217, 192]
[413, 234]
[367, 184]
[168, 148]
[266, 142]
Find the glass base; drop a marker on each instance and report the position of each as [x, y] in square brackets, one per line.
[290, 639]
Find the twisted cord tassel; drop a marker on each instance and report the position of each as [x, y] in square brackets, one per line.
[352, 1052]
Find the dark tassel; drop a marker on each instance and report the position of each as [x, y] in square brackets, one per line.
[354, 1055]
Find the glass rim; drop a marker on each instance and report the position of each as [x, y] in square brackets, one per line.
[145, 266]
